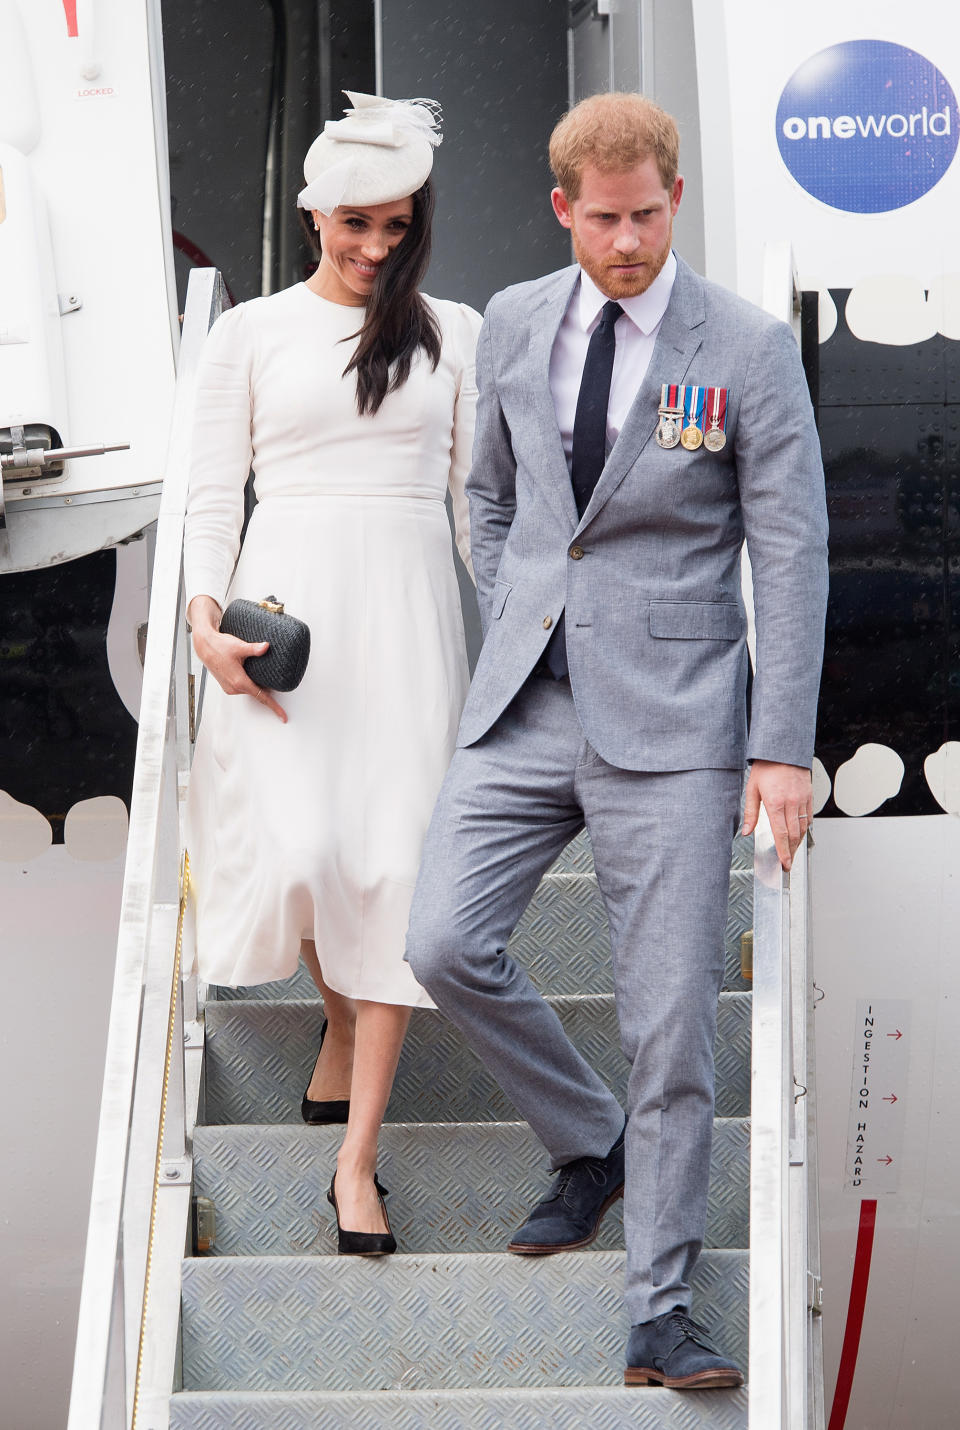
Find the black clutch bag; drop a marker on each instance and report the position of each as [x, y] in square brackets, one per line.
[284, 663]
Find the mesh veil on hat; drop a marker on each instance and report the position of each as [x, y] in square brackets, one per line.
[381, 151]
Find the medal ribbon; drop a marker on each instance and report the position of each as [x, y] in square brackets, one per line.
[716, 408]
[693, 406]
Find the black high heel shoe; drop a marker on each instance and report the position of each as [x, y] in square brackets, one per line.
[319, 1114]
[363, 1243]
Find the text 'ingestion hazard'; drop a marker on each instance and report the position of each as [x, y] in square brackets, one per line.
[878, 1096]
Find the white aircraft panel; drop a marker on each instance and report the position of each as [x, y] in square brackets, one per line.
[107, 197]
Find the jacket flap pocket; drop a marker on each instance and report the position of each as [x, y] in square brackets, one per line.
[501, 591]
[697, 620]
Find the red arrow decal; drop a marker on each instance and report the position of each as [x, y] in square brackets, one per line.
[888, 1160]
[897, 1034]
[70, 8]
[892, 1098]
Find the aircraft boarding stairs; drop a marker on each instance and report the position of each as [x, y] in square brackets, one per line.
[260, 1326]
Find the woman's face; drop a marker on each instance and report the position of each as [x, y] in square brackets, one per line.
[355, 243]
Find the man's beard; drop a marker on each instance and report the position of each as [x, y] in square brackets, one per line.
[617, 285]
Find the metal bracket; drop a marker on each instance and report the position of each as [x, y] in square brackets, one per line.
[814, 1294]
[69, 303]
[176, 1172]
[193, 1035]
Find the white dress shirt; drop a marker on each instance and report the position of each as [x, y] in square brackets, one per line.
[636, 334]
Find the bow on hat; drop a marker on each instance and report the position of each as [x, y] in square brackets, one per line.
[407, 129]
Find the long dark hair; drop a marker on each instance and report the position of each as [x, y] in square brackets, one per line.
[398, 321]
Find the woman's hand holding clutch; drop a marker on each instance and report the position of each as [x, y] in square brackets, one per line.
[224, 655]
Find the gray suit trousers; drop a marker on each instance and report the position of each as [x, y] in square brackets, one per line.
[661, 845]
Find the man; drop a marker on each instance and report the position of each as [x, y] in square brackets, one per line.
[635, 424]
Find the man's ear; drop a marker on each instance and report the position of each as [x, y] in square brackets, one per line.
[677, 194]
[561, 207]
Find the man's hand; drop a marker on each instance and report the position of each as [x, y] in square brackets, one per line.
[786, 792]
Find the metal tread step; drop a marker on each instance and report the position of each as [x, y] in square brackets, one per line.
[596, 1408]
[452, 1322]
[561, 941]
[259, 1057]
[455, 1187]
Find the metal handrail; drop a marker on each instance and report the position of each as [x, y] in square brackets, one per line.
[138, 1076]
[784, 1393]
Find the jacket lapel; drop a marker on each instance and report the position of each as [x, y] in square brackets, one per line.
[543, 325]
[677, 343]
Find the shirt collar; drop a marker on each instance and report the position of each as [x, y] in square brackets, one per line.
[645, 311]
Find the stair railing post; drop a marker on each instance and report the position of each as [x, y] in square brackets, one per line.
[769, 1138]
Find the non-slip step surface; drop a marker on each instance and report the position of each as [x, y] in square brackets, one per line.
[454, 1187]
[428, 1322]
[561, 940]
[597, 1408]
[259, 1057]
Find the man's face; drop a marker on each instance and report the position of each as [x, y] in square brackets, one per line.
[621, 226]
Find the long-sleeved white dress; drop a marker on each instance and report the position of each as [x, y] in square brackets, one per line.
[314, 828]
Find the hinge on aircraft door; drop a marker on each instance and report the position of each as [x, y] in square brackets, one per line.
[814, 1294]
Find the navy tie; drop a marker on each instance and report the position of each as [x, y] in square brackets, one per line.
[589, 443]
[590, 423]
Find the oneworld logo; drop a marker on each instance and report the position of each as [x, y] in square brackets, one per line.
[867, 126]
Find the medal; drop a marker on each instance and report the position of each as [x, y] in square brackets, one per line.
[671, 411]
[668, 433]
[716, 438]
[691, 436]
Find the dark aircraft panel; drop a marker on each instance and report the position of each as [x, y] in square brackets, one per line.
[889, 420]
[250, 81]
[65, 734]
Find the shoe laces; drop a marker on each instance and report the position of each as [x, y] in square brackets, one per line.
[691, 1329]
[595, 1167]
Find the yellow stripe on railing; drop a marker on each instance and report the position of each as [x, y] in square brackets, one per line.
[167, 1064]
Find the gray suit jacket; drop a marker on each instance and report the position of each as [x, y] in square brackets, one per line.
[654, 616]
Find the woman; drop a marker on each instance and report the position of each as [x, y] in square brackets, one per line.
[352, 396]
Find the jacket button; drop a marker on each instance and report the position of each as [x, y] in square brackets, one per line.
[547, 622]
[576, 553]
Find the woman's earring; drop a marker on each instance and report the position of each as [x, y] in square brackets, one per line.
[316, 226]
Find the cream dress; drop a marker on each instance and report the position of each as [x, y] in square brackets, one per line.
[315, 828]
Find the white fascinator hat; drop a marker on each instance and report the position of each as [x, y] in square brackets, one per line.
[381, 151]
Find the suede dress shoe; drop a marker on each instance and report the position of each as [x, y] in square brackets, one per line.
[322, 1114]
[569, 1216]
[673, 1350]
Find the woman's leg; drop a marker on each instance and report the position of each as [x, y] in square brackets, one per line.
[380, 1031]
[334, 1065]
